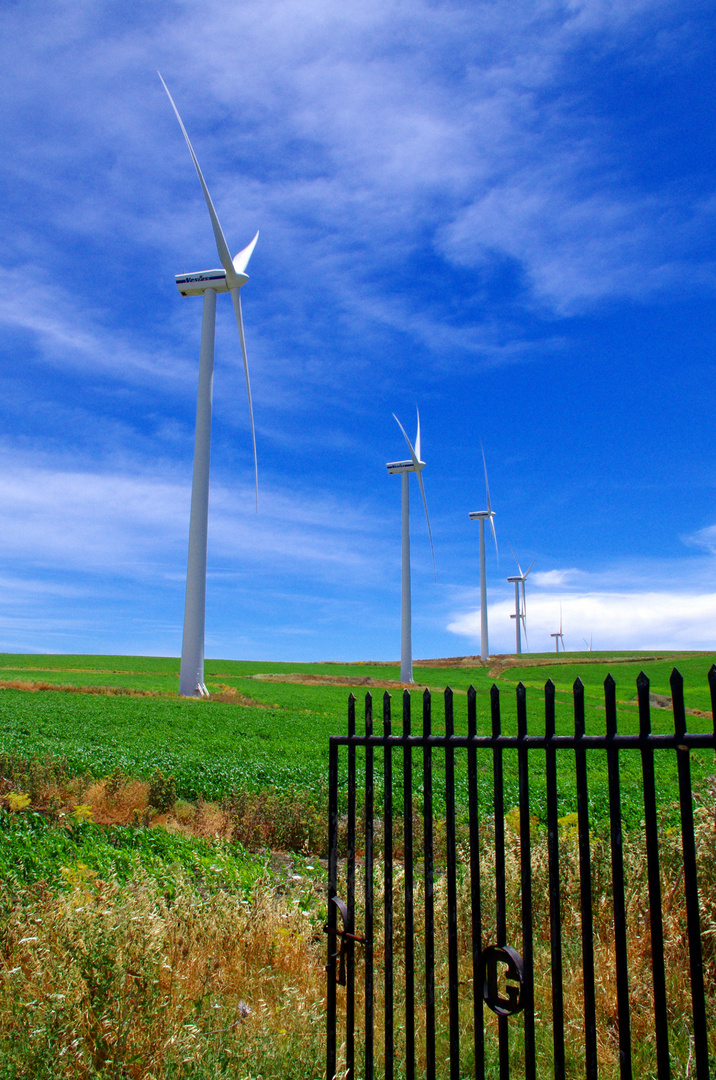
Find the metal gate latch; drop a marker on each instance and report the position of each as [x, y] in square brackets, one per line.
[345, 935]
[491, 959]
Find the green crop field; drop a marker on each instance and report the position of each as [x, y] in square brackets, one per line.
[194, 948]
[274, 734]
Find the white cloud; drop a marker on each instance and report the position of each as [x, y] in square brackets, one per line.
[397, 126]
[547, 579]
[704, 538]
[112, 523]
[68, 333]
[611, 620]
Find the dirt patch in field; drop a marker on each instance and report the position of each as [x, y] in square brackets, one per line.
[663, 701]
[306, 679]
[231, 696]
[500, 664]
[32, 686]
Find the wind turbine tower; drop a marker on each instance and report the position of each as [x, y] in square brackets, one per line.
[558, 636]
[520, 614]
[405, 468]
[482, 516]
[207, 283]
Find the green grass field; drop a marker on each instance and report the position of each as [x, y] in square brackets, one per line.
[188, 949]
[214, 747]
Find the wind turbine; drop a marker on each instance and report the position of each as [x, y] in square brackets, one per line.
[482, 516]
[520, 612]
[415, 465]
[207, 283]
[558, 637]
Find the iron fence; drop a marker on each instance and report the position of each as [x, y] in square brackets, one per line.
[429, 982]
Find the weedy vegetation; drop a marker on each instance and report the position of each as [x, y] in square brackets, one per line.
[163, 895]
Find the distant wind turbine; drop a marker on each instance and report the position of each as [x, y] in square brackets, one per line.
[520, 614]
[482, 516]
[207, 283]
[588, 644]
[415, 465]
[558, 637]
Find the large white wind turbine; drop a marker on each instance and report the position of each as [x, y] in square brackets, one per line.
[558, 636]
[207, 283]
[415, 465]
[482, 516]
[520, 614]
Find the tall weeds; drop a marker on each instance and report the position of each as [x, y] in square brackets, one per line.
[639, 949]
[103, 981]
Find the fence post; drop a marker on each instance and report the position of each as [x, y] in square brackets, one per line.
[691, 886]
[585, 888]
[526, 882]
[658, 973]
[555, 920]
[475, 897]
[620, 928]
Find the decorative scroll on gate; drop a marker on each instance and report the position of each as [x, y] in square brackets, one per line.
[420, 938]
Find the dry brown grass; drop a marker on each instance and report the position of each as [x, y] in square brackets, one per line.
[141, 982]
[274, 820]
[639, 946]
[231, 696]
[123, 982]
[33, 685]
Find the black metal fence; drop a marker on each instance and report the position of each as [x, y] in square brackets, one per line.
[423, 979]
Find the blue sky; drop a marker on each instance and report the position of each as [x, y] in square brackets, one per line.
[501, 212]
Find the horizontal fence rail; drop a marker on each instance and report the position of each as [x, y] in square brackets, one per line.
[476, 929]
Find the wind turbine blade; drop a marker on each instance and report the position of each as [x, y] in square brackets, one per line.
[524, 631]
[422, 492]
[487, 486]
[416, 461]
[516, 560]
[530, 567]
[560, 621]
[236, 297]
[417, 437]
[241, 261]
[494, 537]
[221, 244]
[524, 599]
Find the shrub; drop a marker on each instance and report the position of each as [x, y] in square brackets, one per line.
[162, 792]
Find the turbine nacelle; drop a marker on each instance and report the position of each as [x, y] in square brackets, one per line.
[475, 515]
[404, 466]
[197, 284]
[416, 465]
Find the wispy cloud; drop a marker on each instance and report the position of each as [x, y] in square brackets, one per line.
[124, 525]
[704, 538]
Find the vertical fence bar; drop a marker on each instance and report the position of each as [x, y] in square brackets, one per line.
[617, 853]
[388, 890]
[351, 888]
[500, 899]
[691, 886]
[451, 858]
[409, 895]
[526, 883]
[658, 974]
[555, 916]
[429, 895]
[475, 898]
[369, 811]
[331, 924]
[712, 687]
[585, 889]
